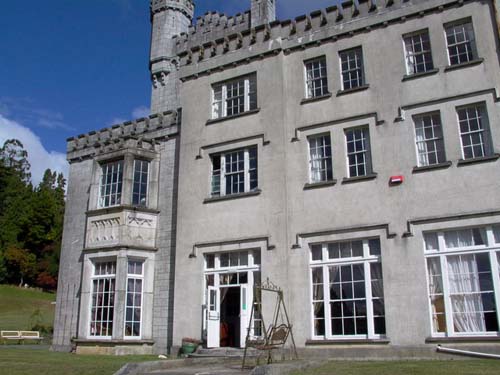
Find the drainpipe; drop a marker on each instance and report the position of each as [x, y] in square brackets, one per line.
[467, 353]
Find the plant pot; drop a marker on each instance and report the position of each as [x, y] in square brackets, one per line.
[189, 347]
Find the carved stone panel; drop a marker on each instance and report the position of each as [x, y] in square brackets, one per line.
[124, 228]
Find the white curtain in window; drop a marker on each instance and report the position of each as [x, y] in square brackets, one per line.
[421, 144]
[315, 165]
[498, 262]
[435, 290]
[464, 238]
[465, 294]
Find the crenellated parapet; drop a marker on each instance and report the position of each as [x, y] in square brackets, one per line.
[198, 50]
[143, 133]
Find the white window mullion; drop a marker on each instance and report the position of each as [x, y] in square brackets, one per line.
[326, 299]
[224, 100]
[247, 95]
[246, 169]
[369, 299]
[223, 175]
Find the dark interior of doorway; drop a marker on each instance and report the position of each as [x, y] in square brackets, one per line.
[230, 317]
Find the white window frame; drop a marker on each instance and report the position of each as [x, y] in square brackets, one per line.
[103, 277]
[222, 174]
[491, 247]
[136, 277]
[470, 43]
[483, 133]
[220, 106]
[115, 186]
[312, 83]
[411, 56]
[141, 183]
[325, 161]
[324, 263]
[433, 140]
[365, 151]
[358, 68]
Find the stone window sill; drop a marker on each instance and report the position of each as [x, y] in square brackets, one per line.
[428, 168]
[227, 118]
[350, 180]
[316, 98]
[119, 208]
[317, 185]
[350, 91]
[484, 159]
[348, 342]
[463, 65]
[232, 196]
[409, 77]
[464, 339]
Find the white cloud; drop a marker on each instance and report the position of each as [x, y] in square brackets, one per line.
[140, 112]
[39, 158]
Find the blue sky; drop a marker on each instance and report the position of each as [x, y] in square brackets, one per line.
[71, 66]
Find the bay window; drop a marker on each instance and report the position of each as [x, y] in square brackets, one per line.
[463, 272]
[234, 172]
[103, 299]
[347, 290]
[133, 307]
[110, 192]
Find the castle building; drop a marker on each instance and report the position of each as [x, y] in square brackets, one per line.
[350, 156]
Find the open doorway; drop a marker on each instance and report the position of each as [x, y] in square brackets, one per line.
[230, 321]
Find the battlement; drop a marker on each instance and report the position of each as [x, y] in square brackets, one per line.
[214, 35]
[147, 129]
[184, 6]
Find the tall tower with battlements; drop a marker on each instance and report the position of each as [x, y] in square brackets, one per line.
[263, 11]
[168, 18]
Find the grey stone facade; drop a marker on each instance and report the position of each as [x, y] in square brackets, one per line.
[397, 200]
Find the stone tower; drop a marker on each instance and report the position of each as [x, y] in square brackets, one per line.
[263, 11]
[168, 18]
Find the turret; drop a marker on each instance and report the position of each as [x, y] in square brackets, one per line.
[263, 11]
[168, 18]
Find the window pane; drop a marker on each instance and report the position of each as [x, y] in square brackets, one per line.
[358, 154]
[111, 184]
[316, 81]
[320, 158]
[429, 139]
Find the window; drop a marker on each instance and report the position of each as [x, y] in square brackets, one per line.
[474, 131]
[316, 80]
[351, 62]
[358, 152]
[140, 191]
[347, 289]
[461, 43]
[234, 172]
[462, 285]
[418, 53]
[234, 97]
[133, 308]
[429, 139]
[103, 299]
[320, 158]
[111, 184]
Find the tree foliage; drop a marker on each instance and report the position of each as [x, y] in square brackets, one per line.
[31, 220]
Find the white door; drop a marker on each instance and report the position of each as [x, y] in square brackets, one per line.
[213, 317]
[245, 312]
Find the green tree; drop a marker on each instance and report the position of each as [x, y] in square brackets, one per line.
[21, 265]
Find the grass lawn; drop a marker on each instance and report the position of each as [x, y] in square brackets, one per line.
[452, 367]
[21, 308]
[19, 361]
